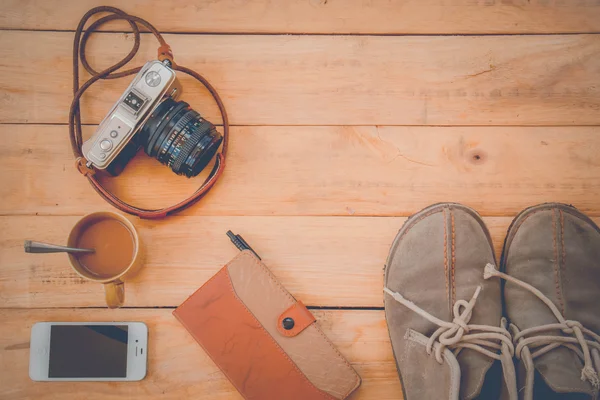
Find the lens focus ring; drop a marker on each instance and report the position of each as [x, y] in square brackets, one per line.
[174, 137]
[191, 142]
[177, 136]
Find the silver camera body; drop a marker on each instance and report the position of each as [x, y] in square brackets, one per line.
[151, 85]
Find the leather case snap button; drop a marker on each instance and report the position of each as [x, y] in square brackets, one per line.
[294, 320]
[288, 323]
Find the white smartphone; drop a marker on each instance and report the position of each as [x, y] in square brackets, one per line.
[88, 351]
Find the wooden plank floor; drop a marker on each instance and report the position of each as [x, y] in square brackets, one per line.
[348, 117]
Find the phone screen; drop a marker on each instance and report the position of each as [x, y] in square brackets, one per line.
[88, 351]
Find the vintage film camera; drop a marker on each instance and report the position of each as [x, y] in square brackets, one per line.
[148, 115]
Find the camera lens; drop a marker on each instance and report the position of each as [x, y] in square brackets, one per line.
[180, 138]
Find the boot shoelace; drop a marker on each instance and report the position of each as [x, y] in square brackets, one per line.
[588, 350]
[459, 334]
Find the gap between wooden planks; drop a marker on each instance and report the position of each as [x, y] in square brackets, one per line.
[323, 16]
[382, 171]
[178, 367]
[328, 80]
[325, 261]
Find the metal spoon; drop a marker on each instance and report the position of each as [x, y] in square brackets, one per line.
[39, 247]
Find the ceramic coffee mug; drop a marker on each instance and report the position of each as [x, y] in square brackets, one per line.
[116, 259]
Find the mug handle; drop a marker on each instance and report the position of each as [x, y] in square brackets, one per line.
[115, 294]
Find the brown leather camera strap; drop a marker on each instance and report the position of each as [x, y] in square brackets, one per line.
[164, 53]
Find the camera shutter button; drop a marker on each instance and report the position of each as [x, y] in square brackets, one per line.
[105, 144]
[152, 79]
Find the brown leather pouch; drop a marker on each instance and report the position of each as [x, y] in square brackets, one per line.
[267, 343]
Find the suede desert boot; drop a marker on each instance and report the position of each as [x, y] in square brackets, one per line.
[551, 264]
[445, 321]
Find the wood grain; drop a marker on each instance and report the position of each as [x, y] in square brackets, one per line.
[329, 80]
[392, 171]
[177, 366]
[323, 16]
[321, 260]
[336, 129]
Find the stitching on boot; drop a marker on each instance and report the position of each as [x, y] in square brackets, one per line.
[446, 255]
[525, 217]
[480, 380]
[453, 257]
[564, 258]
[514, 230]
[416, 337]
[569, 388]
[414, 223]
[422, 217]
[556, 260]
[410, 343]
